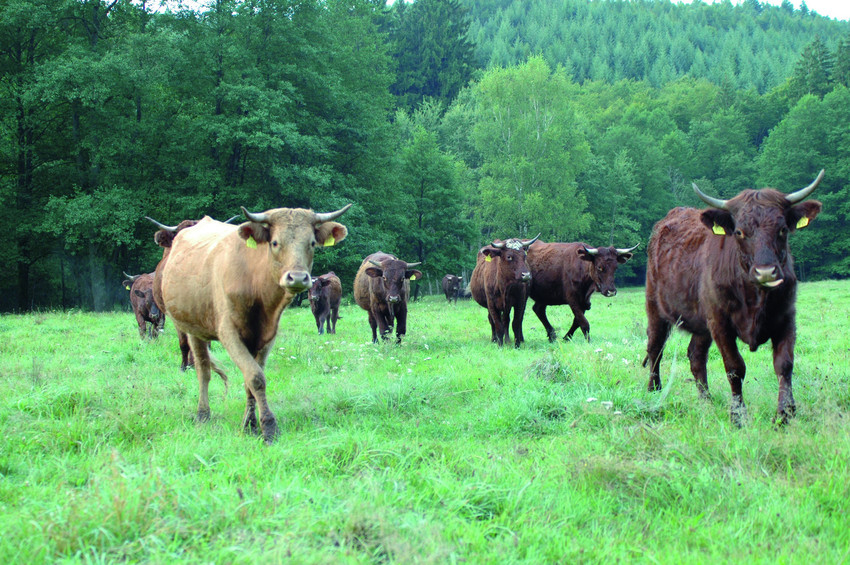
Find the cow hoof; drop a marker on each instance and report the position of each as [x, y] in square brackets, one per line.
[203, 416]
[738, 413]
[784, 416]
[270, 431]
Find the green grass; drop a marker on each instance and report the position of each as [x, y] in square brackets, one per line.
[445, 449]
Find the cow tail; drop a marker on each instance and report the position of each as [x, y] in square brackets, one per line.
[217, 368]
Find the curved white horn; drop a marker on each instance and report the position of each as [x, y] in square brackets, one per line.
[328, 216]
[710, 200]
[804, 192]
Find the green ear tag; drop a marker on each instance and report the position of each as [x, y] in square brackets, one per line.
[718, 230]
[413, 278]
[804, 221]
[488, 258]
[251, 242]
[330, 241]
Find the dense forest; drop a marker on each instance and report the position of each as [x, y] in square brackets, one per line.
[447, 123]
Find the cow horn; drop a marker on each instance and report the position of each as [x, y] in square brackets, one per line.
[410, 265]
[591, 250]
[131, 277]
[527, 242]
[624, 251]
[376, 264]
[328, 216]
[711, 201]
[231, 219]
[804, 192]
[172, 229]
[500, 245]
[260, 218]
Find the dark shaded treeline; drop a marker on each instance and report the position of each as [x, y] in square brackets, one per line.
[111, 111]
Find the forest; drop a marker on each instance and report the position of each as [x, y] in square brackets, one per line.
[447, 123]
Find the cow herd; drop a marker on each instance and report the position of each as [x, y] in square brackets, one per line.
[721, 274]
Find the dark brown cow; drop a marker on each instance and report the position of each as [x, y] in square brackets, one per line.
[737, 282]
[325, 295]
[144, 306]
[569, 273]
[498, 283]
[231, 283]
[382, 288]
[451, 287]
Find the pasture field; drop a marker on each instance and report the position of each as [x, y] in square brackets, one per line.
[445, 449]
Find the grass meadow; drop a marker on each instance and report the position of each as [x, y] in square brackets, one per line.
[445, 449]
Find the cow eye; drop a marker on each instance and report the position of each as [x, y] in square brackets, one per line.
[601, 269]
[739, 234]
[783, 232]
[313, 243]
[275, 243]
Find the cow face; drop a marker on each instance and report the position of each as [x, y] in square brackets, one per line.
[319, 284]
[760, 221]
[603, 264]
[392, 274]
[291, 236]
[147, 298]
[512, 265]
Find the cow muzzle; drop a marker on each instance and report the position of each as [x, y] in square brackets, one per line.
[767, 276]
[296, 281]
[609, 293]
[525, 276]
[393, 299]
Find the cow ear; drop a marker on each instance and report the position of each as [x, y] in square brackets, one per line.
[127, 284]
[325, 282]
[623, 257]
[491, 252]
[255, 230]
[163, 238]
[330, 233]
[800, 215]
[584, 255]
[413, 274]
[720, 222]
[374, 272]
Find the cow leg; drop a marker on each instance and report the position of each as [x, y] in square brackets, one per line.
[519, 313]
[332, 323]
[698, 355]
[186, 357]
[736, 370]
[143, 326]
[657, 331]
[373, 323]
[540, 309]
[783, 365]
[201, 350]
[579, 321]
[506, 324]
[401, 323]
[255, 381]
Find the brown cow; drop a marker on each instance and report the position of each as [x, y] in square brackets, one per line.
[231, 283]
[737, 282]
[382, 288]
[325, 295]
[144, 306]
[451, 287]
[569, 273]
[498, 283]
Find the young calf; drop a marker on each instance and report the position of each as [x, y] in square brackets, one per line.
[325, 295]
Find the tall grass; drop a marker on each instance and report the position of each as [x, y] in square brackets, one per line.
[444, 449]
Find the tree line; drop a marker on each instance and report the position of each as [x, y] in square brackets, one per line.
[112, 111]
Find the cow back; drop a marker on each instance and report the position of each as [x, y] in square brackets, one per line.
[558, 274]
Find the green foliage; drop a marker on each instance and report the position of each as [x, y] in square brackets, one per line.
[532, 147]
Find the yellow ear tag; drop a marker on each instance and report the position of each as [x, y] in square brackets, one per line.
[330, 241]
[251, 242]
[413, 278]
[488, 258]
[127, 287]
[804, 221]
[718, 230]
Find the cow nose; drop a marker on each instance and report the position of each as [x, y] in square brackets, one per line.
[297, 280]
[766, 276]
[526, 276]
[393, 299]
[610, 293]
